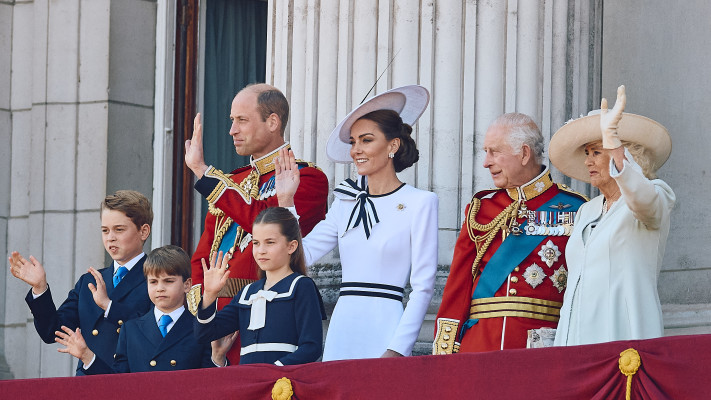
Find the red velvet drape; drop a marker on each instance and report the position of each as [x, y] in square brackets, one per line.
[671, 368]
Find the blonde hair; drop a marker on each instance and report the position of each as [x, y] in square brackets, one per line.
[642, 158]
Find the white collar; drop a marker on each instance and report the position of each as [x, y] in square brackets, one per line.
[130, 263]
[175, 314]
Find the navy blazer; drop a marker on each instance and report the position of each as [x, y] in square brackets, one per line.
[129, 299]
[142, 348]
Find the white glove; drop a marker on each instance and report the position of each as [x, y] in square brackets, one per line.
[610, 119]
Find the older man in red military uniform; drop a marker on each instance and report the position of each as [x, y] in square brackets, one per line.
[259, 115]
[508, 273]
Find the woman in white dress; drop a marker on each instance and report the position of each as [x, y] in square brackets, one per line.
[386, 230]
[616, 249]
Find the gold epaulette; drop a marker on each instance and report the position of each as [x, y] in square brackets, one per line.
[565, 188]
[444, 342]
[193, 298]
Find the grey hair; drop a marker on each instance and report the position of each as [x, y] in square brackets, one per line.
[522, 130]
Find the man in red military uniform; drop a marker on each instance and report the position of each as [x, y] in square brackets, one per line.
[508, 274]
[259, 115]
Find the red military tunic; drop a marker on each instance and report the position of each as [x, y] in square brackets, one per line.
[234, 201]
[532, 294]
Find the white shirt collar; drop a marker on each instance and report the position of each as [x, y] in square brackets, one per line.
[130, 263]
[174, 315]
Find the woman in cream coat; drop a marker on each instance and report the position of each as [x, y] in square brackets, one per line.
[617, 246]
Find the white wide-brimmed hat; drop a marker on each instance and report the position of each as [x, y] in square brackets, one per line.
[408, 101]
[567, 146]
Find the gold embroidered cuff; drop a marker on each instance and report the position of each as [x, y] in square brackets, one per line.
[444, 342]
[526, 307]
[233, 286]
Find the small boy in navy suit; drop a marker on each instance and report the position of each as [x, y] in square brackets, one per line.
[101, 301]
[162, 339]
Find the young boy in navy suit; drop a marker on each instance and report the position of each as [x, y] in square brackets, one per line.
[101, 301]
[162, 339]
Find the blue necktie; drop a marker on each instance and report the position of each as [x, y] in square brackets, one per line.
[120, 273]
[163, 323]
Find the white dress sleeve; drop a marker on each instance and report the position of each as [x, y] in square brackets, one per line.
[649, 200]
[324, 237]
[423, 248]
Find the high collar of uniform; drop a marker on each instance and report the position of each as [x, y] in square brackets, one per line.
[265, 164]
[533, 188]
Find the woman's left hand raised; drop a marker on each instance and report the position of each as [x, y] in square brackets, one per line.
[610, 118]
[287, 177]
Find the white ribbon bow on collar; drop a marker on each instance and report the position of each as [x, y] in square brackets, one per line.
[258, 301]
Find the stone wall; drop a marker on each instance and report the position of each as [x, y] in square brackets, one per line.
[76, 114]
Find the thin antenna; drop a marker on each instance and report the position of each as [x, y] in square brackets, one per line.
[381, 75]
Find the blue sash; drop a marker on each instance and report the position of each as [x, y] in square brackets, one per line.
[512, 251]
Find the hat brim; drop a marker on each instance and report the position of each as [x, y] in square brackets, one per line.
[408, 101]
[567, 146]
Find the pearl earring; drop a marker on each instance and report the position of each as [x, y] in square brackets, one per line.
[391, 155]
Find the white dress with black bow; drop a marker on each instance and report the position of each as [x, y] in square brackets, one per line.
[401, 244]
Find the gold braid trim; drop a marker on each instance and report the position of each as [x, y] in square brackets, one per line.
[502, 221]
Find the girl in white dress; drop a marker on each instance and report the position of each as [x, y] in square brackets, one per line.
[386, 230]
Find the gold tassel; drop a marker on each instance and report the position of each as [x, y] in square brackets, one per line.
[629, 363]
[282, 389]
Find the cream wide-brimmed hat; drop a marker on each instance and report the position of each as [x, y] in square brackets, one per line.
[567, 146]
[408, 101]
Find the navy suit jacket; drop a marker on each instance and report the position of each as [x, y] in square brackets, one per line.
[142, 348]
[129, 299]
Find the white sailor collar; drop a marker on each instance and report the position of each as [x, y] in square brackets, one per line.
[257, 286]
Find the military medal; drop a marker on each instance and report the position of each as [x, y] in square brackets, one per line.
[560, 278]
[549, 253]
[534, 275]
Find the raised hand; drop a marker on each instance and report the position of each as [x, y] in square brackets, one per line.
[74, 344]
[610, 118]
[101, 298]
[194, 157]
[30, 272]
[286, 177]
[215, 278]
[221, 346]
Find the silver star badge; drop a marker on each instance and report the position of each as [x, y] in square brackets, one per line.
[549, 253]
[534, 275]
[560, 278]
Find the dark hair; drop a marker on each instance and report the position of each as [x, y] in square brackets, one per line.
[271, 100]
[171, 260]
[135, 205]
[289, 227]
[390, 123]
